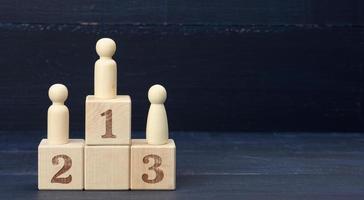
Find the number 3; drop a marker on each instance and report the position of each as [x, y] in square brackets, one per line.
[159, 173]
[66, 166]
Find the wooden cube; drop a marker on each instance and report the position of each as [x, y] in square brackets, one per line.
[60, 167]
[108, 121]
[107, 167]
[153, 167]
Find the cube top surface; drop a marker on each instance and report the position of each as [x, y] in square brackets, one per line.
[103, 147]
[142, 143]
[119, 98]
[72, 143]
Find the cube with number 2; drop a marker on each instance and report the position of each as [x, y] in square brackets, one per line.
[60, 167]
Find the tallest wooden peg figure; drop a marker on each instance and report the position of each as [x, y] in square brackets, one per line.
[105, 70]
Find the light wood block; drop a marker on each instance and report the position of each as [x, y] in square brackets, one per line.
[60, 166]
[153, 167]
[108, 121]
[107, 167]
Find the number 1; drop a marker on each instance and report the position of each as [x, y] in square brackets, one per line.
[108, 124]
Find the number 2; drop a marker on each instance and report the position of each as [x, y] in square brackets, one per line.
[108, 124]
[157, 163]
[66, 166]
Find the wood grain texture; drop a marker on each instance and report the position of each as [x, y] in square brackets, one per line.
[262, 78]
[60, 166]
[111, 129]
[153, 167]
[246, 166]
[107, 167]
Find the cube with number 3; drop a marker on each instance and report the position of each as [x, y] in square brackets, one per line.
[60, 167]
[108, 121]
[153, 167]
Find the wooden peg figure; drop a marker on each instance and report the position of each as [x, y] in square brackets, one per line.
[58, 115]
[157, 123]
[105, 70]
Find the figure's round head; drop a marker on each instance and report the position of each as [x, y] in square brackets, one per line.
[58, 93]
[105, 47]
[157, 94]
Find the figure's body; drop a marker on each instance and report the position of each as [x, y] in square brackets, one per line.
[58, 115]
[105, 85]
[157, 122]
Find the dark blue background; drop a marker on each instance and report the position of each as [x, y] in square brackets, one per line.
[231, 67]
[236, 65]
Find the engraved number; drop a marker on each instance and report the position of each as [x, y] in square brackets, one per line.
[158, 172]
[66, 166]
[108, 124]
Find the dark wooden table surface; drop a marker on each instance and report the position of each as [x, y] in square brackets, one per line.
[218, 166]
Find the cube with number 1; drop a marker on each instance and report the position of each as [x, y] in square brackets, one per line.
[108, 121]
